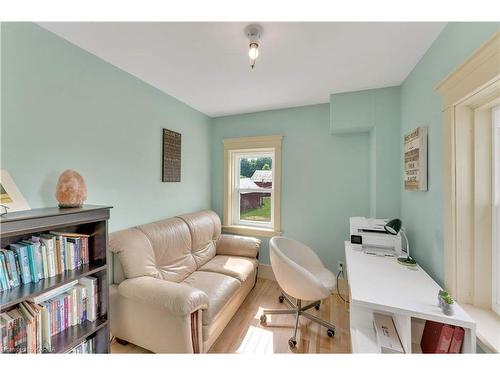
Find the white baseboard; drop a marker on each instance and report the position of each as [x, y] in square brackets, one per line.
[266, 272]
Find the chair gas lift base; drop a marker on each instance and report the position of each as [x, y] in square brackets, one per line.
[297, 310]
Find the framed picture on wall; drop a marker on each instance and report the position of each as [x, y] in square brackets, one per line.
[415, 160]
[171, 161]
[10, 197]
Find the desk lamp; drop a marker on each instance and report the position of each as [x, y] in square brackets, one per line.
[394, 227]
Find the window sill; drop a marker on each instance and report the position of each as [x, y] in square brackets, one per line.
[487, 327]
[250, 231]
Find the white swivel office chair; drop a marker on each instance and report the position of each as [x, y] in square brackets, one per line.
[301, 275]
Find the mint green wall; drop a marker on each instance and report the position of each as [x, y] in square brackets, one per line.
[421, 212]
[324, 178]
[64, 108]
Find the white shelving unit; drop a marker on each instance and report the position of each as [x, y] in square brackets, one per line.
[409, 295]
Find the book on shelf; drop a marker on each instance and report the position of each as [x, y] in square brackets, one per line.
[45, 267]
[21, 252]
[85, 347]
[42, 256]
[90, 283]
[81, 243]
[53, 292]
[437, 338]
[48, 242]
[59, 252]
[29, 326]
[12, 269]
[35, 259]
[3, 273]
[457, 340]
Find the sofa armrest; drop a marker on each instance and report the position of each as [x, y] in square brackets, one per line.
[177, 299]
[229, 244]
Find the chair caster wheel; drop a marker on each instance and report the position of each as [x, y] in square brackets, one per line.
[281, 299]
[317, 306]
[263, 319]
[330, 332]
[292, 343]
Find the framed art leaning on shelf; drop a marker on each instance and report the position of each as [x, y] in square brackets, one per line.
[10, 197]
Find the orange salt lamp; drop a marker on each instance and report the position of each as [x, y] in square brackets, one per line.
[71, 190]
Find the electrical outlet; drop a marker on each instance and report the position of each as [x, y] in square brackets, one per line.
[340, 266]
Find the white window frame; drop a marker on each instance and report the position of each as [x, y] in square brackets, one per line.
[236, 190]
[468, 93]
[234, 150]
[495, 305]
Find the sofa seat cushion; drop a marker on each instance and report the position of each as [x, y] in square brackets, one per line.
[237, 267]
[219, 288]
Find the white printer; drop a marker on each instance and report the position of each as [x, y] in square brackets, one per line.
[369, 236]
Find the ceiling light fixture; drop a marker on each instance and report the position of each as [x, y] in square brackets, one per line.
[253, 32]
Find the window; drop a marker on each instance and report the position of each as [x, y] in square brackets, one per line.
[496, 210]
[252, 185]
[253, 188]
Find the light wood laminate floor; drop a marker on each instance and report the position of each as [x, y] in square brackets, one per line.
[245, 334]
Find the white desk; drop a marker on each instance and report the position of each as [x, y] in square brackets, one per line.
[408, 294]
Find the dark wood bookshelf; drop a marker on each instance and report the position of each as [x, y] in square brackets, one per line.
[89, 219]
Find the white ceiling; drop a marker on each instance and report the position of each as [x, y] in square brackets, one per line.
[205, 65]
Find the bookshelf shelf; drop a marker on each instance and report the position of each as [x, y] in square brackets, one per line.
[89, 220]
[68, 339]
[11, 297]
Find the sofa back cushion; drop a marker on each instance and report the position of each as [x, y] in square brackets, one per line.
[171, 243]
[205, 229]
[169, 249]
[161, 249]
[135, 253]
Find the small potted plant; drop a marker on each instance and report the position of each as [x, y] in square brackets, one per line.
[447, 305]
[441, 294]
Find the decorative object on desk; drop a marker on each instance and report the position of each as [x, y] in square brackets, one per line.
[395, 226]
[415, 157]
[10, 196]
[442, 293]
[71, 190]
[171, 161]
[447, 305]
[388, 339]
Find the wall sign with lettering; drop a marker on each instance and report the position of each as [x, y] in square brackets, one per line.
[415, 159]
[171, 163]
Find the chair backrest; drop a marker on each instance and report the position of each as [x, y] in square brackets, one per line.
[169, 249]
[294, 265]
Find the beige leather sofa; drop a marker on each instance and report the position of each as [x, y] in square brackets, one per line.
[178, 282]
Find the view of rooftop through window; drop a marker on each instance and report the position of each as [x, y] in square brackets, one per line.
[256, 180]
